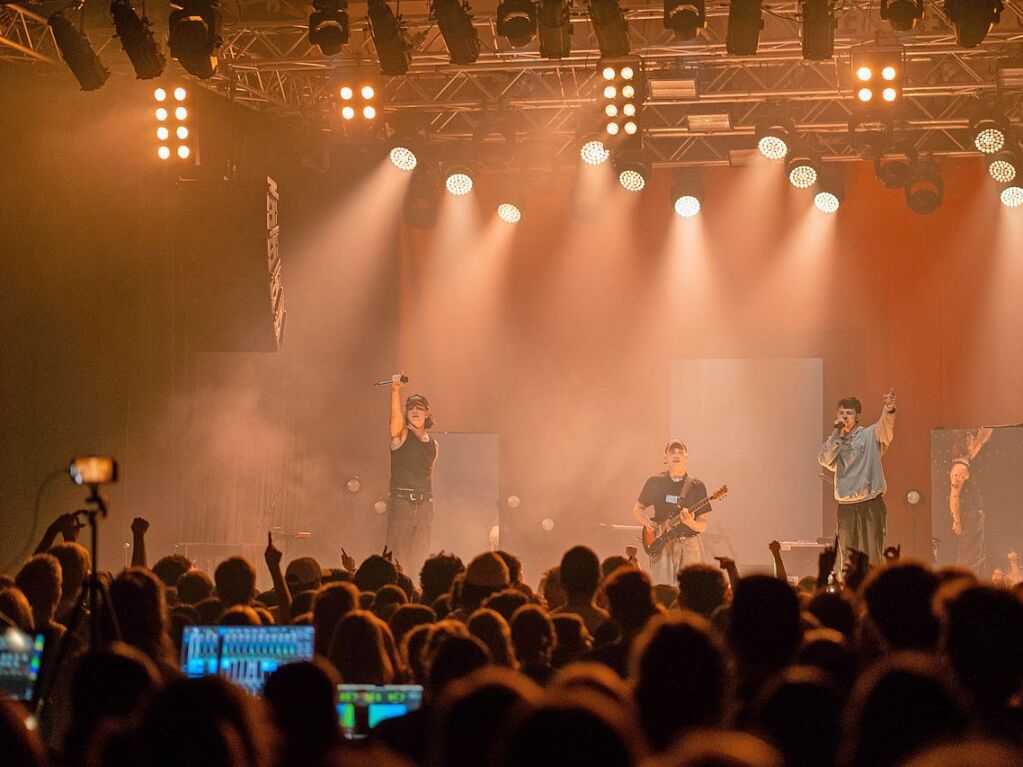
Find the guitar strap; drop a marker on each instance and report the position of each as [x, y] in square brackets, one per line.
[687, 485]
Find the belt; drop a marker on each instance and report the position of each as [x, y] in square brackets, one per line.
[415, 496]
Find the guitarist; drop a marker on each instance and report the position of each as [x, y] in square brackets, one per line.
[667, 493]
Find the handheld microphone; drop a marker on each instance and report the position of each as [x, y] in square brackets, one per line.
[387, 382]
[839, 423]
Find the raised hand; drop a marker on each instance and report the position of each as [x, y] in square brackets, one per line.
[272, 554]
[347, 561]
[726, 563]
[826, 559]
[856, 568]
[139, 526]
[775, 548]
[892, 553]
[386, 554]
[889, 400]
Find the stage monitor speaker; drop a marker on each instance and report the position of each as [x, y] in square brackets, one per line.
[229, 265]
[800, 557]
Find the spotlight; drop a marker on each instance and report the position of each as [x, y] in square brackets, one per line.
[774, 137]
[137, 40]
[817, 29]
[877, 74]
[516, 20]
[593, 152]
[830, 193]
[353, 485]
[194, 36]
[403, 157]
[1003, 166]
[902, 14]
[620, 96]
[685, 17]
[687, 194]
[972, 19]
[633, 171]
[1012, 196]
[458, 180]
[988, 132]
[328, 26]
[925, 189]
[610, 27]
[460, 36]
[172, 119]
[357, 98]
[555, 28]
[420, 208]
[913, 497]
[389, 38]
[892, 167]
[802, 171]
[77, 52]
[744, 24]
[509, 212]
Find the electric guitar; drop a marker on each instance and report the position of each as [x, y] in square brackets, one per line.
[673, 527]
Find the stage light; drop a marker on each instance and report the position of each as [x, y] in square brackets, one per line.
[137, 40]
[347, 112]
[181, 132]
[163, 152]
[403, 158]
[902, 14]
[389, 38]
[180, 113]
[369, 112]
[180, 93]
[593, 152]
[877, 72]
[380, 507]
[1012, 196]
[774, 137]
[925, 190]
[194, 36]
[547, 525]
[745, 21]
[346, 92]
[162, 133]
[818, 29]
[619, 99]
[516, 21]
[509, 213]
[460, 36]
[161, 114]
[554, 27]
[513, 501]
[175, 119]
[685, 17]
[633, 170]
[1003, 166]
[913, 497]
[972, 19]
[458, 180]
[184, 152]
[989, 131]
[802, 171]
[687, 194]
[367, 92]
[353, 485]
[892, 167]
[610, 28]
[422, 200]
[830, 191]
[329, 27]
[356, 99]
[78, 54]
[160, 94]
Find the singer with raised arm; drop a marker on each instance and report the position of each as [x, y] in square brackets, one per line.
[854, 453]
[680, 507]
[413, 455]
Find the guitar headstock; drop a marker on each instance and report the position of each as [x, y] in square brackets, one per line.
[720, 493]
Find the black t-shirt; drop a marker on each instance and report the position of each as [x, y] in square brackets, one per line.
[661, 492]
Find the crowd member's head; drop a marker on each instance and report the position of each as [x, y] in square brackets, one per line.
[194, 586]
[799, 711]
[358, 650]
[113, 682]
[573, 639]
[374, 573]
[209, 611]
[490, 628]
[15, 607]
[506, 602]
[702, 589]
[20, 746]
[170, 568]
[407, 617]
[901, 705]
[551, 590]
[207, 721]
[330, 605]
[486, 574]
[240, 615]
[983, 639]
[678, 678]
[580, 574]
[533, 636]
[40, 581]
[972, 753]
[898, 600]
[388, 599]
[514, 565]
[835, 611]
[612, 563]
[137, 598]
[302, 697]
[578, 730]
[764, 626]
[437, 575]
[630, 599]
[832, 653]
[454, 658]
[303, 574]
[588, 676]
[412, 652]
[472, 713]
[719, 749]
[236, 581]
[75, 564]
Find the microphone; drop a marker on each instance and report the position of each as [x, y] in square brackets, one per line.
[839, 423]
[387, 382]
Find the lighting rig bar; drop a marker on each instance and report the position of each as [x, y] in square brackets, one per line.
[26, 37]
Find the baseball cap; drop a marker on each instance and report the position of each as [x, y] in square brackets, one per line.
[675, 442]
[417, 399]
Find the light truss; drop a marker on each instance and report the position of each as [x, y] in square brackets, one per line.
[25, 36]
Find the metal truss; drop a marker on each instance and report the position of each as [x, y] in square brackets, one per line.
[25, 36]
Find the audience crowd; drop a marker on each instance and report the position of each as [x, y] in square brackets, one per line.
[896, 665]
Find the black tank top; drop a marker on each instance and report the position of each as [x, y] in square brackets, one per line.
[412, 465]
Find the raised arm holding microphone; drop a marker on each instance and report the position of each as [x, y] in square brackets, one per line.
[854, 453]
[413, 455]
